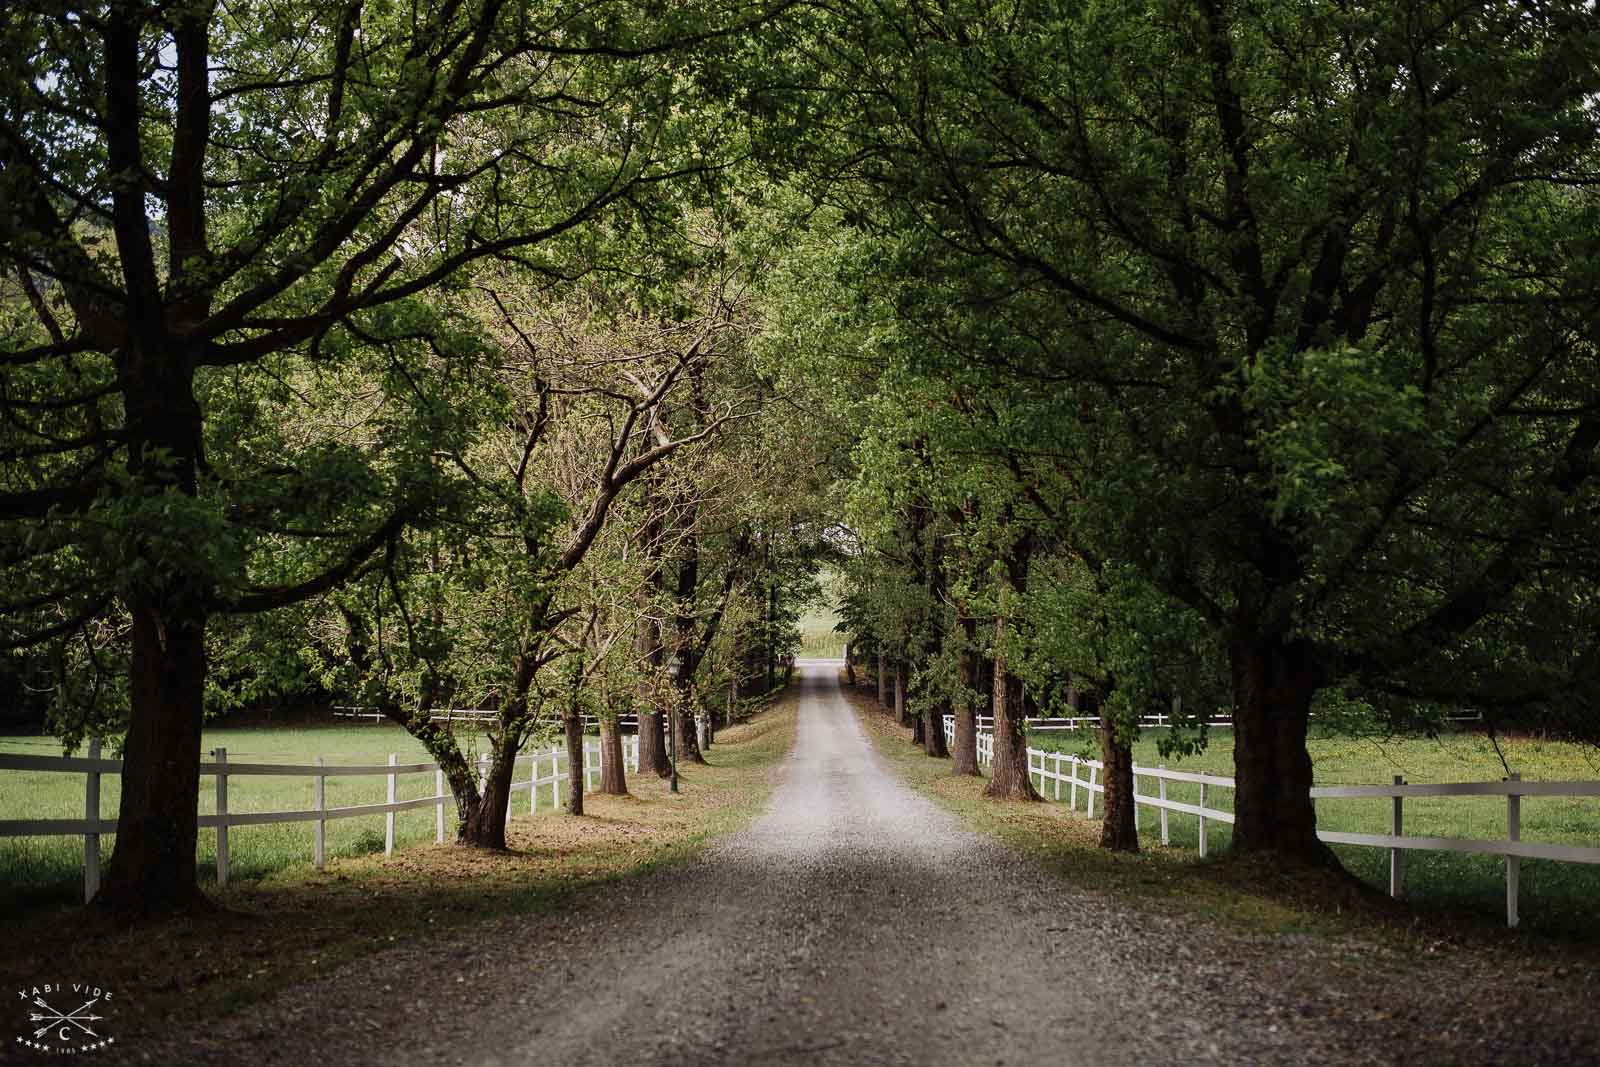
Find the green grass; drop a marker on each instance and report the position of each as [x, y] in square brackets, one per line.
[1558, 897]
[818, 638]
[46, 868]
[1448, 900]
[299, 923]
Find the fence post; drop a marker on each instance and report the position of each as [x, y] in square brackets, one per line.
[1058, 776]
[91, 840]
[221, 757]
[388, 816]
[555, 777]
[1092, 771]
[1513, 863]
[438, 812]
[1396, 829]
[1161, 788]
[320, 834]
[1202, 820]
[533, 782]
[1072, 794]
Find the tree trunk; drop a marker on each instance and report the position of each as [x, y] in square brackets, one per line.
[965, 752]
[653, 754]
[1010, 771]
[849, 668]
[900, 693]
[485, 825]
[933, 733]
[613, 767]
[733, 694]
[1119, 830]
[883, 690]
[772, 637]
[647, 647]
[572, 726]
[1273, 683]
[152, 868]
[685, 735]
[919, 730]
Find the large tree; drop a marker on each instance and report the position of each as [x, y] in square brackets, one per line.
[206, 205]
[1321, 277]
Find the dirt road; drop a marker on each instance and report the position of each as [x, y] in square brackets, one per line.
[856, 923]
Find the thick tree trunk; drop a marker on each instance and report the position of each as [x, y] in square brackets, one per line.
[1119, 829]
[1273, 683]
[688, 744]
[849, 668]
[485, 825]
[653, 754]
[1010, 771]
[613, 767]
[883, 692]
[152, 868]
[572, 727]
[964, 755]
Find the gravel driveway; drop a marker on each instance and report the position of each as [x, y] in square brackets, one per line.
[856, 923]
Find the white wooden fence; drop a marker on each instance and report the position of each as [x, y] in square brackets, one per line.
[1047, 767]
[547, 767]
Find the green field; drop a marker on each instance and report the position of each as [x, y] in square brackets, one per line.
[1553, 895]
[52, 866]
[818, 638]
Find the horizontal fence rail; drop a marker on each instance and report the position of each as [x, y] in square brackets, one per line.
[1047, 768]
[472, 715]
[1072, 723]
[547, 767]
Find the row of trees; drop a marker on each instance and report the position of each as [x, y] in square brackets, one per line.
[1238, 353]
[398, 354]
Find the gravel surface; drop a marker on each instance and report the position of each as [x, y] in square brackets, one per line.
[857, 923]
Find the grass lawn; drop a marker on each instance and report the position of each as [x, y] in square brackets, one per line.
[296, 922]
[49, 869]
[1458, 891]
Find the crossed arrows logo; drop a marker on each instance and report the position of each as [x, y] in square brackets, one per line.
[76, 1017]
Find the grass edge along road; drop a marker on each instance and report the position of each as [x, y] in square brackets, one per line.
[1222, 889]
[300, 923]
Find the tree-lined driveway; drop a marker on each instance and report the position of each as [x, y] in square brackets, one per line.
[857, 923]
